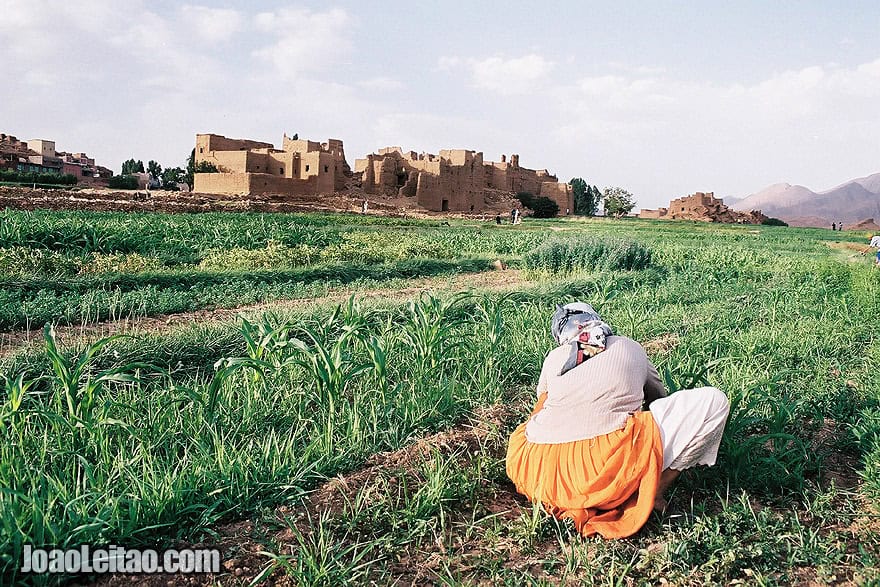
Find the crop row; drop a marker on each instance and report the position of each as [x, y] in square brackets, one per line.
[103, 445]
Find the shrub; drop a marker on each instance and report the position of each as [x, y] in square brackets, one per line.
[26, 262]
[544, 207]
[527, 199]
[205, 167]
[774, 222]
[123, 182]
[120, 263]
[13, 176]
[571, 256]
[377, 247]
[275, 255]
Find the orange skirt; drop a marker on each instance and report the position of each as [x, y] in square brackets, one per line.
[606, 485]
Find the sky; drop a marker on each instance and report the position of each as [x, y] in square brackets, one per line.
[663, 98]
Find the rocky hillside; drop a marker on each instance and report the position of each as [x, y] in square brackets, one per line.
[849, 202]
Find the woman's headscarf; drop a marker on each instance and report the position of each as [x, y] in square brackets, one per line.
[580, 327]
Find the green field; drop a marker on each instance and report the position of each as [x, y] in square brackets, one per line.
[363, 440]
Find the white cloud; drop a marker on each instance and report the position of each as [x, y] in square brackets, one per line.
[518, 75]
[381, 84]
[143, 79]
[419, 131]
[212, 24]
[447, 63]
[720, 136]
[304, 41]
[790, 97]
[510, 76]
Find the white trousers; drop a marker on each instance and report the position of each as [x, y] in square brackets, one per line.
[691, 423]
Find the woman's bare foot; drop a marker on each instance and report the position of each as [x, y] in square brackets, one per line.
[666, 479]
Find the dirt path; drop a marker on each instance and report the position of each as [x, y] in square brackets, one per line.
[20, 340]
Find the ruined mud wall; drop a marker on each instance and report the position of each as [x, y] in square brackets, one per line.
[653, 214]
[294, 170]
[255, 184]
[221, 183]
[212, 142]
[704, 207]
[457, 179]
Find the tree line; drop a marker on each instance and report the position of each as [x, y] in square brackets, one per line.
[587, 200]
[33, 177]
[616, 201]
[167, 178]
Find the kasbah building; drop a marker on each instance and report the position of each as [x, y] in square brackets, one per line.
[454, 181]
[704, 207]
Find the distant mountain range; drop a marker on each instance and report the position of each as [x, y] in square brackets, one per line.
[849, 202]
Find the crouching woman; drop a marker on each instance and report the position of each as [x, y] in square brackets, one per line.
[589, 452]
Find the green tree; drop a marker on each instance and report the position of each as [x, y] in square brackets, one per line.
[131, 166]
[618, 202]
[123, 182]
[189, 176]
[595, 195]
[544, 207]
[171, 177]
[527, 199]
[154, 170]
[579, 191]
[192, 168]
[586, 197]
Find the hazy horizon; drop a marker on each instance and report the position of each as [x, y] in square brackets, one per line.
[709, 97]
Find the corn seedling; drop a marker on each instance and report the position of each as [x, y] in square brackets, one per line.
[265, 342]
[327, 362]
[429, 329]
[79, 387]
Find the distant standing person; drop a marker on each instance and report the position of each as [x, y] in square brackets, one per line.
[364, 207]
[513, 216]
[833, 226]
[840, 226]
[498, 219]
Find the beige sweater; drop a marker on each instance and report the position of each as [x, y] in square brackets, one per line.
[597, 396]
